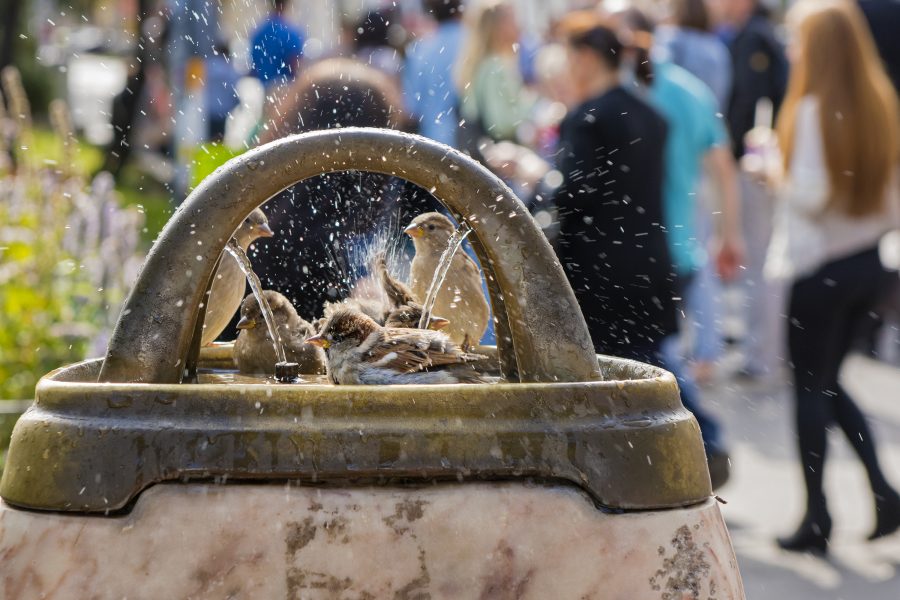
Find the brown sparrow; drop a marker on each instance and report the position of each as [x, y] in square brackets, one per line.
[404, 309]
[253, 350]
[229, 282]
[372, 308]
[408, 317]
[360, 351]
[460, 299]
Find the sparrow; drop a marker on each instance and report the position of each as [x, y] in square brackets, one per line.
[253, 350]
[371, 307]
[408, 317]
[360, 351]
[229, 282]
[397, 292]
[460, 299]
[404, 309]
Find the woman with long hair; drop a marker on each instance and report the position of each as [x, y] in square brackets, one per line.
[839, 136]
[488, 79]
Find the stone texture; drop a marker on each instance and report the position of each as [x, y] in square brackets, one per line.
[452, 541]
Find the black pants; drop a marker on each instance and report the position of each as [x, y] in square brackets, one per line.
[827, 310]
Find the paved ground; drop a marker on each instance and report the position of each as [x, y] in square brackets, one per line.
[765, 494]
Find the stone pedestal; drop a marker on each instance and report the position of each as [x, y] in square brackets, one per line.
[447, 541]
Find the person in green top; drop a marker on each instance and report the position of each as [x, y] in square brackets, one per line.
[488, 79]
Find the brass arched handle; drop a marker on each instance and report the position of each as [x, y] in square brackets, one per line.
[549, 336]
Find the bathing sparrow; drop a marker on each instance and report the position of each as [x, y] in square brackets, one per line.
[253, 350]
[404, 309]
[360, 351]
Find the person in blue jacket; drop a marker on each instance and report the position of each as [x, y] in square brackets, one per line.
[276, 48]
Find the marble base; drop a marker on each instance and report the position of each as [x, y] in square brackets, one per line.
[452, 541]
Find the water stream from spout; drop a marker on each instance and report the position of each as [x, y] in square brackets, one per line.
[240, 256]
[440, 274]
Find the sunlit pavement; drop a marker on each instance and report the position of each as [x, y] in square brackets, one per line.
[765, 495]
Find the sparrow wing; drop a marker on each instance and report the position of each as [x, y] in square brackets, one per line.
[398, 294]
[398, 357]
[408, 351]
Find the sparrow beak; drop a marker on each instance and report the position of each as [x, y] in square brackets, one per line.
[265, 231]
[437, 323]
[246, 323]
[414, 231]
[318, 340]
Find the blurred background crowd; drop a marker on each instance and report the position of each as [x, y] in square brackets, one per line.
[719, 177]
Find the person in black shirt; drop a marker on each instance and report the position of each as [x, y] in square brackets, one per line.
[612, 244]
[759, 71]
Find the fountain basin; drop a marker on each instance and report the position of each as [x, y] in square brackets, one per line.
[625, 440]
[252, 490]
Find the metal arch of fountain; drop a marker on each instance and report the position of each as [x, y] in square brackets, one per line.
[549, 337]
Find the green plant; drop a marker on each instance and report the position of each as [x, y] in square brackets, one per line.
[133, 187]
[68, 249]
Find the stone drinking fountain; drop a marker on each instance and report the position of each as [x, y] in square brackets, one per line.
[577, 476]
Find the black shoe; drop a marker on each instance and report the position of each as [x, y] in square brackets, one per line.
[812, 536]
[719, 464]
[887, 515]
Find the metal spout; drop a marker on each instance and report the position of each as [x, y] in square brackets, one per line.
[287, 372]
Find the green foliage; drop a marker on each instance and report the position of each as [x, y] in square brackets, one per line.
[47, 301]
[68, 252]
[69, 247]
[42, 84]
[150, 197]
[9, 414]
[134, 188]
[46, 150]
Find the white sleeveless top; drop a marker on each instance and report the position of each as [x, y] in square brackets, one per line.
[806, 235]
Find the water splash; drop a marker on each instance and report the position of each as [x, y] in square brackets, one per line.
[235, 250]
[352, 261]
[440, 274]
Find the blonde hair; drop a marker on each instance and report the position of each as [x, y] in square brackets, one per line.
[839, 66]
[481, 22]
